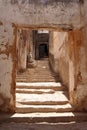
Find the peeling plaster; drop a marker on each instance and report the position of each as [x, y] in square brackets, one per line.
[59, 14]
[5, 74]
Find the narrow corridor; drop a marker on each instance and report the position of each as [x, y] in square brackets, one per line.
[41, 73]
[38, 90]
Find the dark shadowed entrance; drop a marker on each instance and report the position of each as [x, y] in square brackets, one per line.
[43, 51]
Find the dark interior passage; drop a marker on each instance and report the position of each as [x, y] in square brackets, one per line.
[43, 51]
[41, 42]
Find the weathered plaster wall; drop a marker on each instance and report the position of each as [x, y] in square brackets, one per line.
[22, 48]
[53, 46]
[65, 14]
[63, 57]
[78, 62]
[30, 46]
[68, 52]
[7, 67]
[59, 54]
[77, 70]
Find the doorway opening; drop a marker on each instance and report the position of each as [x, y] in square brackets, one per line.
[43, 51]
[41, 44]
[38, 85]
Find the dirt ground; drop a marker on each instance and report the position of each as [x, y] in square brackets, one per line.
[43, 126]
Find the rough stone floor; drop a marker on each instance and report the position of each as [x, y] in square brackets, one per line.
[43, 126]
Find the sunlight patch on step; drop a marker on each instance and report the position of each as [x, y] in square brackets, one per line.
[52, 114]
[39, 83]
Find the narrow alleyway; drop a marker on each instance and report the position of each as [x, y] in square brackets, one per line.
[38, 90]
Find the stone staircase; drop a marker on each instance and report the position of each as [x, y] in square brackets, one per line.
[38, 91]
[41, 73]
[40, 97]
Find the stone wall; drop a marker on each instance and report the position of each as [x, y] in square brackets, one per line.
[53, 44]
[59, 55]
[48, 14]
[63, 57]
[79, 92]
[60, 13]
[22, 49]
[7, 66]
[78, 63]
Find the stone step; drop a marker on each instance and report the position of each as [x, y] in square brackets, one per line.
[36, 77]
[35, 80]
[36, 74]
[20, 108]
[41, 70]
[34, 91]
[34, 70]
[41, 67]
[57, 98]
[41, 85]
[63, 117]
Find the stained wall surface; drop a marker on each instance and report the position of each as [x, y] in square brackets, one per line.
[59, 55]
[60, 14]
[80, 62]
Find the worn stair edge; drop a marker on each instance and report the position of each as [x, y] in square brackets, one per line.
[27, 76]
[56, 98]
[36, 91]
[43, 108]
[39, 85]
[43, 103]
[33, 81]
[44, 117]
[35, 74]
[43, 87]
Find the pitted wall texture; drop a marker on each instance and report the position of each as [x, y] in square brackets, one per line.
[64, 14]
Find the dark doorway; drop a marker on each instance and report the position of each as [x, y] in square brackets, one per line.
[43, 51]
